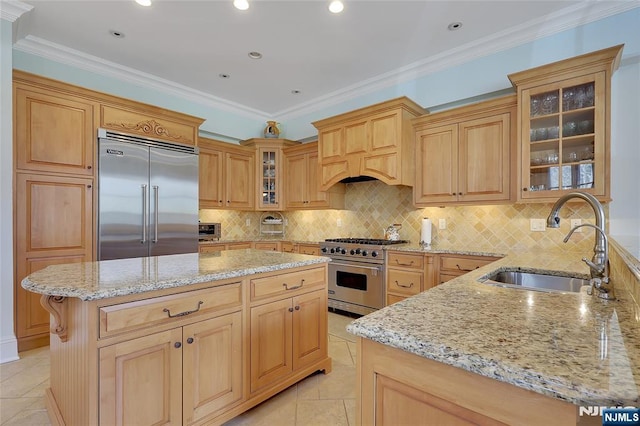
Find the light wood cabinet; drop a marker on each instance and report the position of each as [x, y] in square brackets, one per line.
[288, 247]
[400, 388]
[267, 245]
[564, 119]
[375, 141]
[302, 188]
[54, 131]
[185, 373]
[54, 225]
[216, 247]
[466, 155]
[453, 266]
[269, 172]
[227, 176]
[311, 249]
[287, 335]
[408, 274]
[289, 315]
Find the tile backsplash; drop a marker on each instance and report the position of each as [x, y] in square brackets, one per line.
[372, 206]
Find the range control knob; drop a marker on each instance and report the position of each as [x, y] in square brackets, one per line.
[332, 250]
[352, 252]
[374, 254]
[343, 251]
[358, 251]
[324, 249]
[364, 252]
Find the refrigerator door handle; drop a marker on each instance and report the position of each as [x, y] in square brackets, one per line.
[144, 213]
[155, 214]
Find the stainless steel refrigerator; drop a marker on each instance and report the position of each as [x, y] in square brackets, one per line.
[148, 197]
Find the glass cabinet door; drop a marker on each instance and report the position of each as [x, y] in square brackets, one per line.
[270, 179]
[563, 137]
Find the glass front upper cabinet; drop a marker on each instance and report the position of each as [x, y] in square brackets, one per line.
[564, 126]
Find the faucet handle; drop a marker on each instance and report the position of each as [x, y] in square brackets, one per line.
[598, 268]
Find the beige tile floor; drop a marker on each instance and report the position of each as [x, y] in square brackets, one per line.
[318, 400]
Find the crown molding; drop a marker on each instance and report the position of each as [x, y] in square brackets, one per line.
[11, 10]
[567, 18]
[65, 55]
[564, 19]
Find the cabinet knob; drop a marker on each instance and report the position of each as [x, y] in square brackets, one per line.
[290, 309]
[297, 308]
[88, 186]
[177, 345]
[88, 167]
[190, 340]
[459, 193]
[525, 189]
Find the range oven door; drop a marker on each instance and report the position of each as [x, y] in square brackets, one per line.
[356, 283]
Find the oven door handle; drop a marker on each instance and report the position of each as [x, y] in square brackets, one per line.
[374, 268]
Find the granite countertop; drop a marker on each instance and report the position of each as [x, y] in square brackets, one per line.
[111, 278]
[573, 347]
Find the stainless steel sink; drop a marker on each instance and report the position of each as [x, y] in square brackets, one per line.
[536, 281]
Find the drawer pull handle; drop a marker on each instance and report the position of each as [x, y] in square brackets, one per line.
[286, 287]
[404, 264]
[402, 285]
[181, 314]
[465, 270]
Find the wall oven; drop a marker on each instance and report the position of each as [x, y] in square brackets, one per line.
[356, 273]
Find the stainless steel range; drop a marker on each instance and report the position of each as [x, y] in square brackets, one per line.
[356, 273]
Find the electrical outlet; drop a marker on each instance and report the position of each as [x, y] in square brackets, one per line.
[339, 222]
[538, 225]
[442, 223]
[576, 222]
[286, 221]
[248, 222]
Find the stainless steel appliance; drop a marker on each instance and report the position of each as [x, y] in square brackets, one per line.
[209, 231]
[148, 197]
[356, 273]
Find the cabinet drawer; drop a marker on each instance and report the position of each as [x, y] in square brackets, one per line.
[311, 249]
[288, 247]
[151, 312]
[210, 248]
[406, 260]
[404, 282]
[463, 264]
[266, 246]
[287, 283]
[448, 277]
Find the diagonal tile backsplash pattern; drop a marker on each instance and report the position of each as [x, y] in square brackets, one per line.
[372, 206]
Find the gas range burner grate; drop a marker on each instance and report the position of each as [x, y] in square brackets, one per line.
[368, 241]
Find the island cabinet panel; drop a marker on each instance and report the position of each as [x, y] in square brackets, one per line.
[309, 328]
[141, 381]
[212, 359]
[397, 387]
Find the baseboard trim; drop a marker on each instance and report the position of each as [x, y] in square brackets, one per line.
[8, 349]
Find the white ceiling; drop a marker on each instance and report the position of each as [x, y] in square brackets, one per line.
[183, 46]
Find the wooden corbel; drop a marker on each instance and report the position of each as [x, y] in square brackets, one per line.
[57, 307]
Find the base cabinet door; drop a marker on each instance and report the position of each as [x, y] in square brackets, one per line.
[287, 335]
[141, 381]
[212, 359]
[271, 335]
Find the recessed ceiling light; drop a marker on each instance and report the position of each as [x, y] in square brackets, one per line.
[144, 2]
[336, 6]
[296, 92]
[454, 26]
[241, 4]
[255, 55]
[223, 75]
[116, 34]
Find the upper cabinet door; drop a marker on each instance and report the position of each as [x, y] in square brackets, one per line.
[437, 163]
[240, 180]
[54, 132]
[211, 178]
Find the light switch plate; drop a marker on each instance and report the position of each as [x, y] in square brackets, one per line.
[248, 222]
[339, 222]
[442, 223]
[538, 225]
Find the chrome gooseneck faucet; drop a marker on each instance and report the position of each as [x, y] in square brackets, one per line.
[599, 264]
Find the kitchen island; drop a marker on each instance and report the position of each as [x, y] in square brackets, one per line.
[470, 352]
[181, 339]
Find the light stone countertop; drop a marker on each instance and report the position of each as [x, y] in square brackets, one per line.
[572, 346]
[111, 278]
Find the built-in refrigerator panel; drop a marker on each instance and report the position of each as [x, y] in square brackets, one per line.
[148, 197]
[173, 183]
